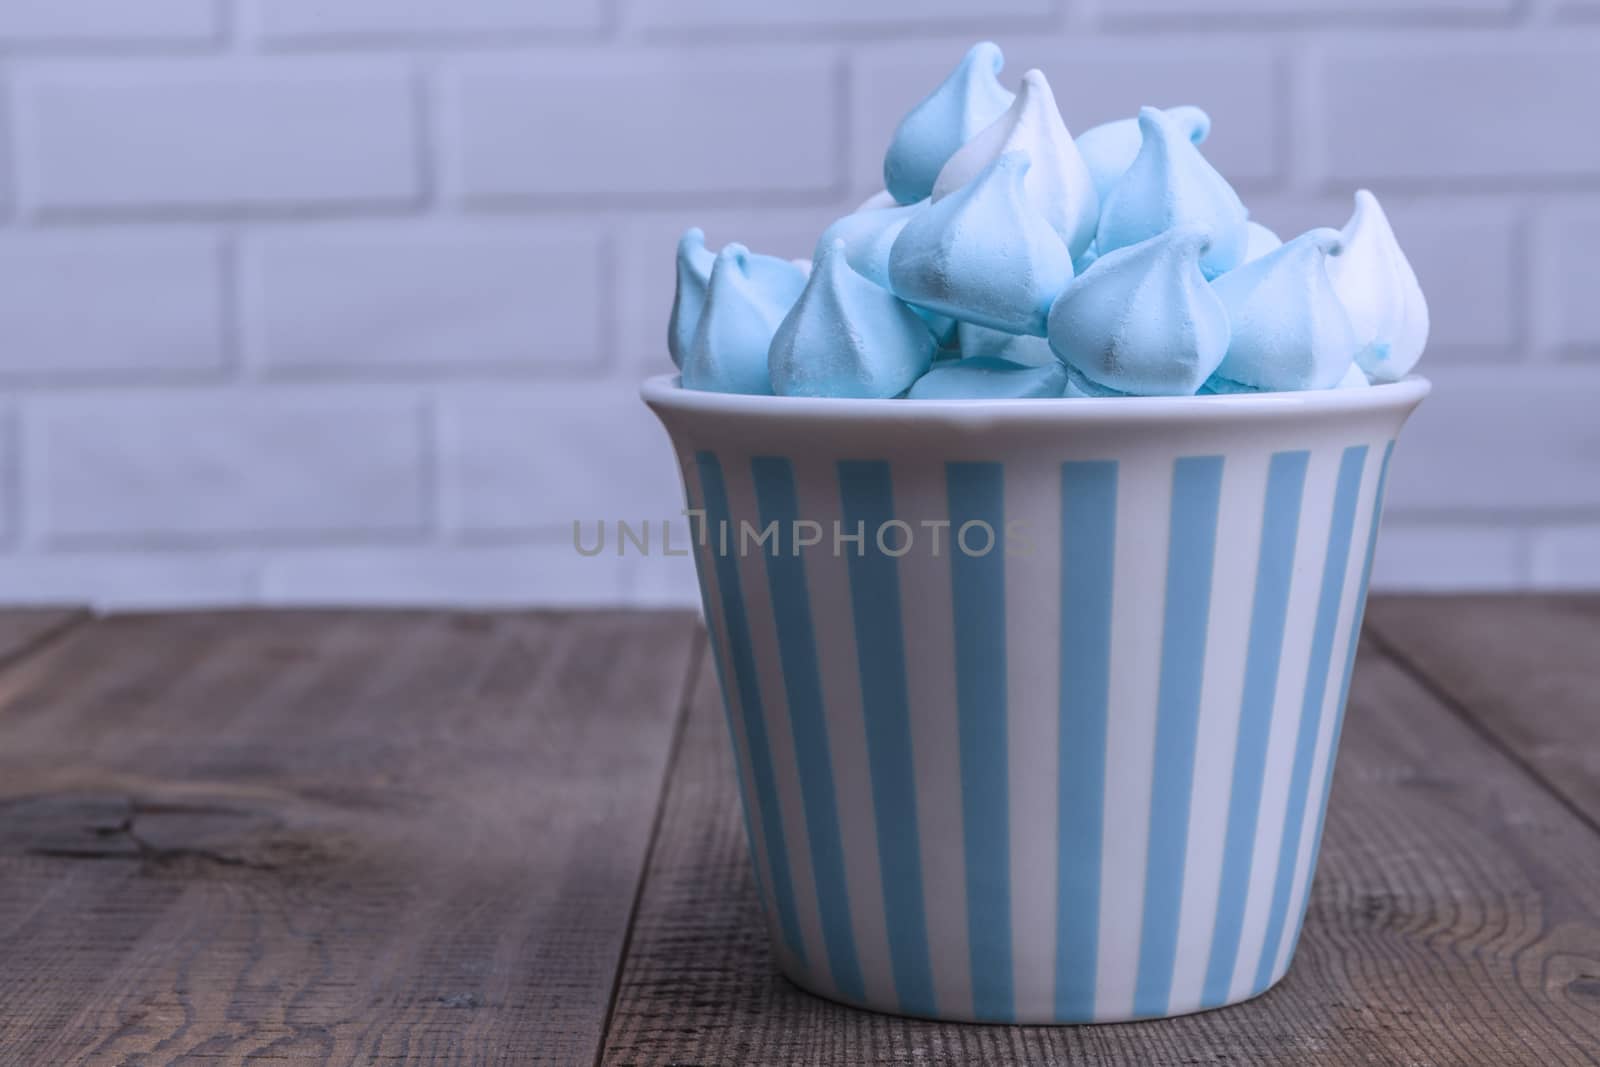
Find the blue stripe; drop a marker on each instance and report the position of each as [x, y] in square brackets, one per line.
[1280, 527]
[867, 498]
[1333, 571]
[703, 570]
[1191, 551]
[744, 677]
[802, 681]
[978, 592]
[1088, 540]
[1349, 670]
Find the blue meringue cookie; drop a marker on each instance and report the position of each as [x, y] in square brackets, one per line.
[1216, 385]
[1289, 329]
[1110, 148]
[983, 254]
[1380, 292]
[988, 378]
[1259, 241]
[694, 274]
[1142, 319]
[868, 236]
[980, 341]
[747, 298]
[1057, 182]
[1080, 386]
[969, 99]
[1169, 183]
[847, 337]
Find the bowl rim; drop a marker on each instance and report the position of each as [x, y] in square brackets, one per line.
[664, 393]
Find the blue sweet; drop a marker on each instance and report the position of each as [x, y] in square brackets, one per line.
[868, 235]
[983, 254]
[1057, 183]
[1143, 319]
[1168, 184]
[846, 336]
[1110, 148]
[969, 99]
[746, 299]
[989, 378]
[1289, 329]
[694, 274]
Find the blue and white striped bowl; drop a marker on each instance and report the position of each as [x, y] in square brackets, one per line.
[1079, 777]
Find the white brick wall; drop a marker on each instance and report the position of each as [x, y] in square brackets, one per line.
[304, 301]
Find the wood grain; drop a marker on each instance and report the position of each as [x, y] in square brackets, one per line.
[23, 629]
[1455, 919]
[1524, 669]
[327, 838]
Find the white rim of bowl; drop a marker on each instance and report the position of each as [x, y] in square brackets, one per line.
[663, 391]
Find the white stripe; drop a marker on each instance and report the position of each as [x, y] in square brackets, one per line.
[1033, 725]
[1311, 547]
[717, 633]
[1341, 650]
[775, 704]
[828, 582]
[928, 619]
[1144, 509]
[1239, 516]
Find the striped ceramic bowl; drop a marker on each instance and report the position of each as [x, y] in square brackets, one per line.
[1035, 702]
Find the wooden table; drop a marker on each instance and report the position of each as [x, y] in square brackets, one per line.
[442, 838]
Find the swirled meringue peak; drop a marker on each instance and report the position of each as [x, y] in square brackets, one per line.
[983, 254]
[1379, 290]
[989, 378]
[1110, 148]
[1058, 182]
[1169, 183]
[1289, 329]
[747, 298]
[969, 99]
[1142, 319]
[846, 336]
[695, 261]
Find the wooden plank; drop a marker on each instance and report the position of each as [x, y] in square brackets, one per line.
[328, 838]
[1455, 919]
[1524, 669]
[22, 629]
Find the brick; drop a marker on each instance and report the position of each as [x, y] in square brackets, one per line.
[1435, 557]
[129, 581]
[1567, 278]
[85, 21]
[547, 575]
[449, 299]
[647, 127]
[1567, 557]
[1468, 259]
[1426, 111]
[216, 135]
[646, 258]
[74, 305]
[310, 20]
[1194, 11]
[534, 461]
[225, 466]
[715, 14]
[1109, 80]
[1489, 442]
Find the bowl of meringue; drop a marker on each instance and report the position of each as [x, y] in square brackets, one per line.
[1034, 518]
